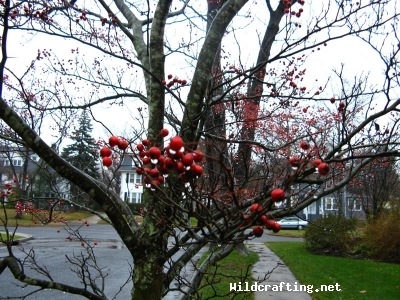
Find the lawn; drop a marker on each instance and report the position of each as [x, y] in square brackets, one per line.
[3, 236]
[231, 269]
[288, 232]
[28, 219]
[358, 279]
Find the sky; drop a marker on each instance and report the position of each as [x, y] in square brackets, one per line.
[351, 52]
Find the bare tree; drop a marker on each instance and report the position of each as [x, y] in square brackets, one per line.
[255, 106]
[377, 187]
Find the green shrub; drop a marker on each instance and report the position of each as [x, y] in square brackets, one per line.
[330, 234]
[382, 237]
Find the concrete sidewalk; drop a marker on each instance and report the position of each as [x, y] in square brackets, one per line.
[269, 262]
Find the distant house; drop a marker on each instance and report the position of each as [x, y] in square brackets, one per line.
[34, 176]
[351, 207]
[131, 182]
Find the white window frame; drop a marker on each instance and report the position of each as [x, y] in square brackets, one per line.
[134, 197]
[331, 203]
[134, 178]
[354, 204]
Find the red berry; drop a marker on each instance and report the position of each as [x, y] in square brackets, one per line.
[169, 76]
[154, 152]
[140, 147]
[264, 219]
[154, 173]
[317, 162]
[333, 100]
[105, 152]
[304, 145]
[169, 163]
[277, 195]
[277, 227]
[294, 161]
[258, 231]
[197, 155]
[123, 144]
[179, 167]
[164, 132]
[146, 160]
[113, 141]
[176, 143]
[254, 207]
[146, 142]
[198, 170]
[270, 224]
[107, 161]
[187, 159]
[323, 169]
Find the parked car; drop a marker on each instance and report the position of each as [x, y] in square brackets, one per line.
[292, 223]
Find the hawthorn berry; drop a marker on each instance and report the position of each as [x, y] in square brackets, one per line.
[258, 231]
[277, 195]
[164, 132]
[123, 144]
[107, 161]
[113, 141]
[176, 143]
[323, 169]
[105, 152]
[304, 145]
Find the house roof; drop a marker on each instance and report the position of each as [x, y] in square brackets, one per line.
[128, 163]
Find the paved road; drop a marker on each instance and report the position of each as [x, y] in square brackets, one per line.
[51, 248]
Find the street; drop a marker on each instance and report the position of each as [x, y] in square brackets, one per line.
[51, 248]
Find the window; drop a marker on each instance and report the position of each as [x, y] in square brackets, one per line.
[354, 204]
[331, 204]
[133, 197]
[133, 178]
[15, 162]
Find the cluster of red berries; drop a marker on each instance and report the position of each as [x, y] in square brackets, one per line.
[236, 70]
[268, 223]
[322, 167]
[111, 17]
[173, 81]
[341, 104]
[106, 152]
[288, 5]
[174, 158]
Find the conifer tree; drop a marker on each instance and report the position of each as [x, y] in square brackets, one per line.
[82, 153]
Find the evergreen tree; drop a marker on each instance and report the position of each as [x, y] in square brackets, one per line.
[82, 153]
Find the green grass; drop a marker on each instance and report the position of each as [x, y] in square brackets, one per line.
[358, 279]
[288, 232]
[231, 269]
[4, 236]
[28, 220]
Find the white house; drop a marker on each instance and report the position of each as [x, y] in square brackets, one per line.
[131, 182]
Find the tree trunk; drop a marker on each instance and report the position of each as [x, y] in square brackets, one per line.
[255, 92]
[148, 279]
